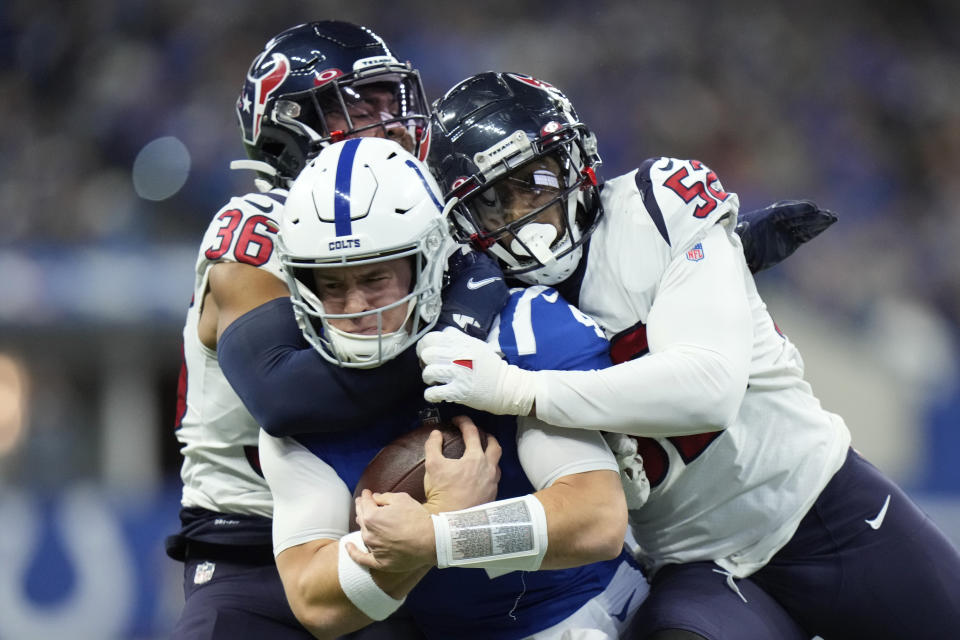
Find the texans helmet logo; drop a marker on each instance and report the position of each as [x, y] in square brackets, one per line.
[533, 82]
[321, 78]
[543, 86]
[258, 90]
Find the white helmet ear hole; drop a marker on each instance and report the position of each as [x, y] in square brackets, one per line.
[429, 308]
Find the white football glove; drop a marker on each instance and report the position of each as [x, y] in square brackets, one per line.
[468, 371]
[633, 477]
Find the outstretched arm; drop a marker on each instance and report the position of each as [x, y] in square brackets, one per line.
[700, 332]
[290, 389]
[287, 386]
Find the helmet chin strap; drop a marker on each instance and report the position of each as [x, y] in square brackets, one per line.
[554, 273]
[537, 238]
[534, 239]
[256, 165]
[371, 349]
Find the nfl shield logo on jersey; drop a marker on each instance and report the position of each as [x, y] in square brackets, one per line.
[204, 572]
[695, 254]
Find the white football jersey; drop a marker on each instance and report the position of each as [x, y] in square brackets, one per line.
[220, 462]
[666, 280]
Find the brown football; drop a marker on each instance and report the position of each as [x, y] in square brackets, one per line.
[399, 466]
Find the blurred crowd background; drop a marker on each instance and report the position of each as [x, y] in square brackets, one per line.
[118, 126]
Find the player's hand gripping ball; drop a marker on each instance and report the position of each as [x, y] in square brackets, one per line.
[400, 466]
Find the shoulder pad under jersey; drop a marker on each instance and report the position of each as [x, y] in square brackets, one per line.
[245, 230]
[684, 198]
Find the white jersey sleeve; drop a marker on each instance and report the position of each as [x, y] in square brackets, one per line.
[548, 453]
[666, 280]
[687, 197]
[244, 231]
[310, 501]
[699, 331]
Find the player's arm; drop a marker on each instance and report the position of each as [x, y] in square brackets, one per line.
[237, 288]
[770, 235]
[284, 383]
[700, 337]
[264, 356]
[577, 516]
[579, 485]
[328, 593]
[312, 583]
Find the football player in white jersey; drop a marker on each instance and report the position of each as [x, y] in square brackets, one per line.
[364, 244]
[312, 84]
[736, 477]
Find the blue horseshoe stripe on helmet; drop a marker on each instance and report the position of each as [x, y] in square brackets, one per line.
[342, 186]
[341, 196]
[426, 186]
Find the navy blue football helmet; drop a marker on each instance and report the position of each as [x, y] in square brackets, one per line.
[321, 82]
[513, 151]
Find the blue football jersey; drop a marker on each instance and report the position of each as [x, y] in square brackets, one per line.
[467, 603]
[539, 330]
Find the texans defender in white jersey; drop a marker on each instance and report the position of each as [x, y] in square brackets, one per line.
[364, 244]
[746, 497]
[312, 84]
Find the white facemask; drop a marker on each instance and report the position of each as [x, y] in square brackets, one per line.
[366, 349]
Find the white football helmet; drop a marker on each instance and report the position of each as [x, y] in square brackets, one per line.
[359, 202]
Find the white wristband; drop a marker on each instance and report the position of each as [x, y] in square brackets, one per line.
[506, 534]
[358, 584]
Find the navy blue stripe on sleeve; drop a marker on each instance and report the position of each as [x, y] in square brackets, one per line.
[645, 186]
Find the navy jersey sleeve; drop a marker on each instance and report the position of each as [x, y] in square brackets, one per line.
[539, 330]
[475, 294]
[290, 389]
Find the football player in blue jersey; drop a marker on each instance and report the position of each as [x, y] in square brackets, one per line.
[745, 496]
[312, 84]
[364, 242]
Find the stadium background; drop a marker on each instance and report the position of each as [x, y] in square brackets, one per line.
[118, 126]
